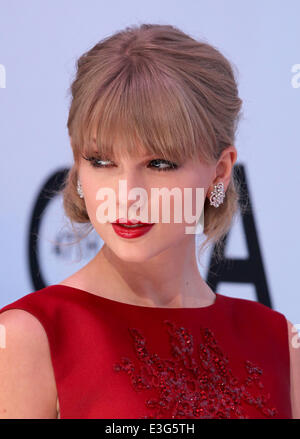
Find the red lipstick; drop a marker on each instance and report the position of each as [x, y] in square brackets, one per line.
[131, 228]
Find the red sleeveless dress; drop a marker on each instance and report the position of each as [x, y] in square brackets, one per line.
[116, 360]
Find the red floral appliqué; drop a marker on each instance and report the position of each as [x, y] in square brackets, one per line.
[188, 387]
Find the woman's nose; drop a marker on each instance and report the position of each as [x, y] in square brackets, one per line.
[131, 192]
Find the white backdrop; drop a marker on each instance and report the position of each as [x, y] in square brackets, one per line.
[39, 45]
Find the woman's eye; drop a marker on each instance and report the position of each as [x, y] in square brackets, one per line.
[157, 164]
[166, 165]
[98, 163]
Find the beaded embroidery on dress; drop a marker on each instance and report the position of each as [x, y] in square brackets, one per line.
[193, 384]
[169, 362]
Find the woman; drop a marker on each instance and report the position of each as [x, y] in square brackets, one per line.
[137, 332]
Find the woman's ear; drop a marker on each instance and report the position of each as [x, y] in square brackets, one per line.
[225, 165]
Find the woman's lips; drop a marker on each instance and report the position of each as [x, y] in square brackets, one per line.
[129, 222]
[133, 232]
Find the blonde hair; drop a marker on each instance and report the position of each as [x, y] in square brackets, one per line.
[126, 85]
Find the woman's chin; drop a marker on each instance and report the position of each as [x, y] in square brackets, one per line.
[133, 254]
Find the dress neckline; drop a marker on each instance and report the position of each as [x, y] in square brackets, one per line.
[117, 302]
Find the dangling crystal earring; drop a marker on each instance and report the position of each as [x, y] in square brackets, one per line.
[79, 189]
[217, 195]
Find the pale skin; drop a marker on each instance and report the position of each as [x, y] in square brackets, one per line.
[157, 269]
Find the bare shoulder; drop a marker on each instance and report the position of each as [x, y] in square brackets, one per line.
[76, 280]
[27, 385]
[294, 348]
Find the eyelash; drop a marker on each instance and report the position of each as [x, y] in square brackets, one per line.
[94, 160]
